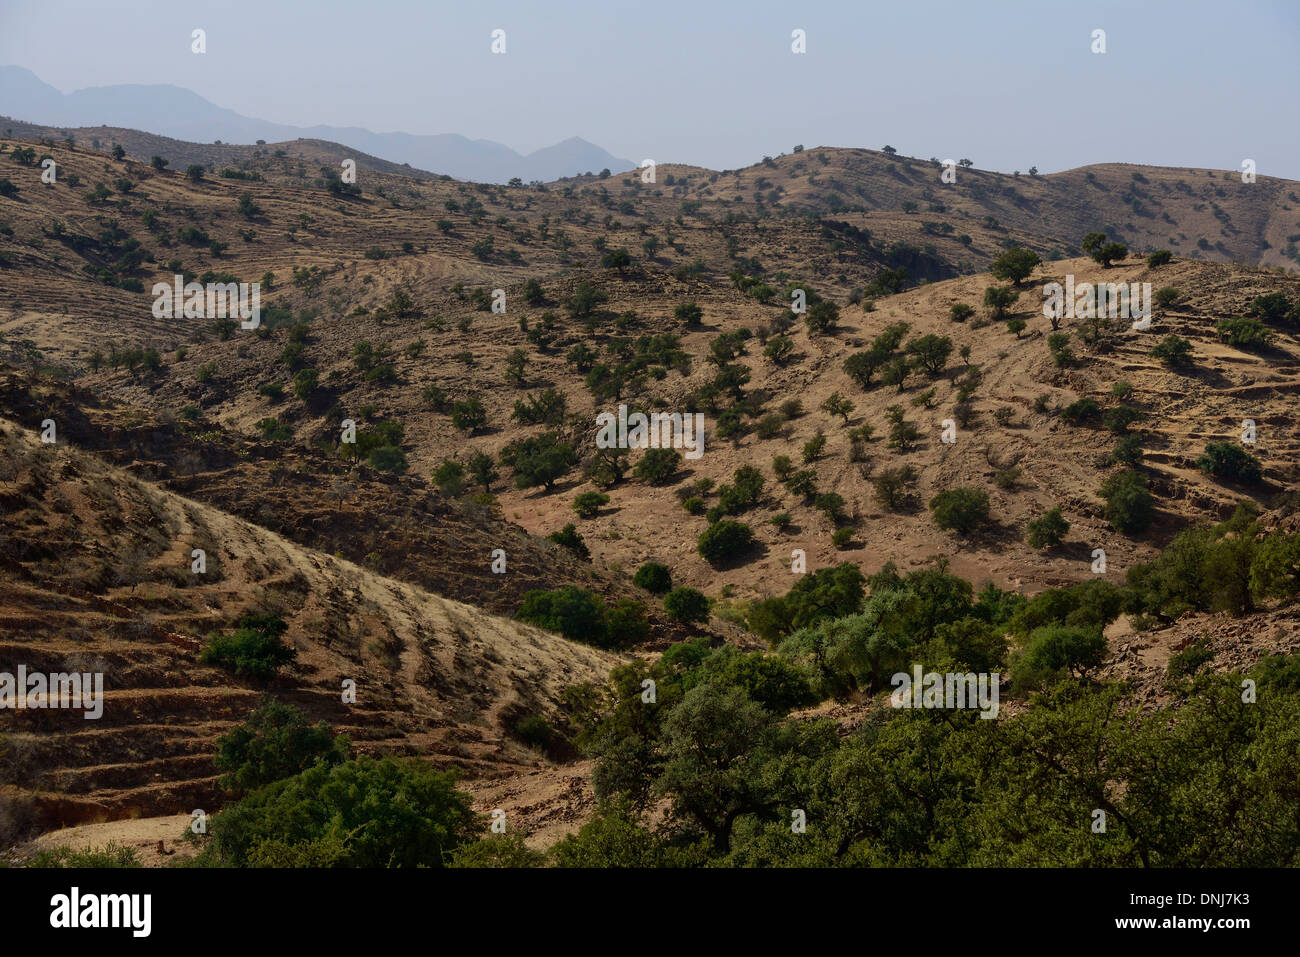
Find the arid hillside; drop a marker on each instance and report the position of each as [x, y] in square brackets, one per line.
[98, 577]
[421, 395]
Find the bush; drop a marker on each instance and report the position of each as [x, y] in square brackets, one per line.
[276, 742]
[1127, 451]
[1231, 463]
[581, 615]
[535, 731]
[1096, 246]
[1080, 411]
[387, 458]
[363, 813]
[1173, 351]
[1243, 333]
[654, 577]
[468, 416]
[658, 466]
[450, 477]
[1047, 530]
[1272, 307]
[1130, 507]
[686, 605]
[893, 486]
[569, 538]
[960, 312]
[253, 650]
[589, 503]
[1160, 257]
[962, 510]
[723, 541]
[1165, 296]
[1055, 649]
[1118, 419]
[999, 299]
[540, 460]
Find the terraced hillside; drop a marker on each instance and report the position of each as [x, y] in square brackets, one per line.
[98, 578]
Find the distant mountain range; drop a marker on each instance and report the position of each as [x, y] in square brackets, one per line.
[184, 115]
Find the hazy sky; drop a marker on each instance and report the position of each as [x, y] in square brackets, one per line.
[1007, 83]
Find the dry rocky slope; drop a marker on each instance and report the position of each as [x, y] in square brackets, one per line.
[368, 567]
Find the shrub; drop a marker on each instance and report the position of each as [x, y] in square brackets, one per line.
[569, 538]
[893, 486]
[581, 615]
[654, 577]
[1165, 296]
[686, 605]
[276, 742]
[1160, 257]
[535, 731]
[1127, 450]
[468, 416]
[962, 510]
[1243, 333]
[589, 503]
[1047, 530]
[1272, 307]
[366, 813]
[723, 541]
[1231, 463]
[1118, 419]
[1129, 505]
[387, 458]
[253, 650]
[1081, 411]
[540, 460]
[1055, 649]
[450, 477]
[999, 299]
[658, 466]
[960, 312]
[931, 353]
[1173, 351]
[304, 383]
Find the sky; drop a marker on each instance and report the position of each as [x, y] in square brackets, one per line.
[1007, 83]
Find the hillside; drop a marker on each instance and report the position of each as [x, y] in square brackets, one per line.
[97, 577]
[673, 296]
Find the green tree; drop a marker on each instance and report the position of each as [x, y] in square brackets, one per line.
[1231, 463]
[999, 299]
[366, 812]
[686, 605]
[1047, 530]
[658, 466]
[275, 742]
[962, 510]
[723, 541]
[1015, 264]
[654, 577]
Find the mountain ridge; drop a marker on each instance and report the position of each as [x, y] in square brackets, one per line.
[180, 113]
